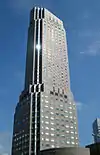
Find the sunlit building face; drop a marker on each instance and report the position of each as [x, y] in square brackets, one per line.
[46, 112]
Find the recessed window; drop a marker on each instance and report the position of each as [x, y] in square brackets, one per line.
[52, 118]
[47, 128]
[51, 112]
[46, 106]
[46, 117]
[72, 132]
[68, 142]
[47, 139]
[52, 140]
[47, 133]
[46, 96]
[46, 122]
[52, 134]
[46, 101]
[66, 116]
[61, 105]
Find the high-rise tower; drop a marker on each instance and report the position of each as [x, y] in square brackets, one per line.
[45, 116]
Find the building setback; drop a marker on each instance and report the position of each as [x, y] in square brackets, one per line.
[45, 116]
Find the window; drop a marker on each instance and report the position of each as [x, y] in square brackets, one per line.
[52, 140]
[52, 128]
[46, 101]
[61, 105]
[52, 134]
[52, 118]
[46, 117]
[72, 132]
[66, 116]
[47, 139]
[47, 128]
[46, 122]
[46, 106]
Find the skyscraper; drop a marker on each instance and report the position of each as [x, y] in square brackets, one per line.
[45, 116]
[96, 130]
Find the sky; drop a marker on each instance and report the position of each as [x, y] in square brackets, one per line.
[82, 23]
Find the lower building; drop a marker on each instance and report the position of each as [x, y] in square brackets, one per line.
[66, 151]
[94, 148]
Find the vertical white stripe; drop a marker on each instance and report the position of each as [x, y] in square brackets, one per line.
[34, 46]
[34, 13]
[30, 139]
[35, 152]
[38, 13]
[38, 51]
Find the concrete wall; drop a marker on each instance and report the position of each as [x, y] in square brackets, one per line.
[66, 151]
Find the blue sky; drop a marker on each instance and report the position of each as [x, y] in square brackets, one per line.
[82, 23]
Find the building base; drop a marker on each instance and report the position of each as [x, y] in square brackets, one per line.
[66, 151]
